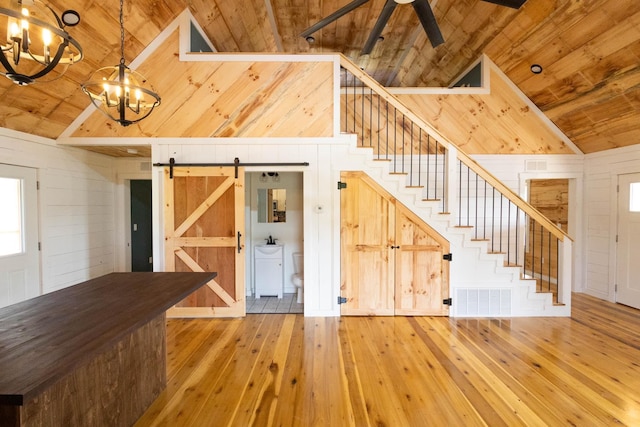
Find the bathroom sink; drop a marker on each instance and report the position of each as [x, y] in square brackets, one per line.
[268, 249]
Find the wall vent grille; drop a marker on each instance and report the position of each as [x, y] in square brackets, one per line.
[536, 165]
[483, 302]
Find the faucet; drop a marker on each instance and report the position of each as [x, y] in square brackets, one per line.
[271, 240]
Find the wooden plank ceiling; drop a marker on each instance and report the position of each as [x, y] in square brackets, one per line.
[589, 49]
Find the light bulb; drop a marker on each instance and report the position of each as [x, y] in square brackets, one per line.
[14, 30]
[46, 37]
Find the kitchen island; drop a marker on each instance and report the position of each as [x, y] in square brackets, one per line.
[93, 354]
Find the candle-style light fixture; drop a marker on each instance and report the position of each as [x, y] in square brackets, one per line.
[36, 43]
[117, 91]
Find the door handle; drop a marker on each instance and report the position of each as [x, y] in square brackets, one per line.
[239, 247]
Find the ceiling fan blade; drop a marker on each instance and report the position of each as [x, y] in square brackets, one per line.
[516, 4]
[387, 10]
[335, 15]
[428, 21]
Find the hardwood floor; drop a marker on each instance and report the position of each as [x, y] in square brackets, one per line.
[287, 370]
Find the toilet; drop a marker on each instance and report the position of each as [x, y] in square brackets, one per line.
[298, 277]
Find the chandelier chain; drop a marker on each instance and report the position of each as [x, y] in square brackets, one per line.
[122, 62]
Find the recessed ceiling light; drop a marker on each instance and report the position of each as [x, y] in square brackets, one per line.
[536, 68]
[310, 39]
[70, 18]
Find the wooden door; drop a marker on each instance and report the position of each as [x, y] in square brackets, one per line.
[391, 260]
[628, 268]
[421, 273]
[366, 227]
[141, 225]
[19, 256]
[204, 231]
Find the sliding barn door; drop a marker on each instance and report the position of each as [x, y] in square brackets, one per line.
[392, 261]
[204, 231]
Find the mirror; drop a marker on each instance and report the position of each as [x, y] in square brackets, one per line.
[272, 205]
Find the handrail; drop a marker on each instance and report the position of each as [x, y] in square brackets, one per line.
[464, 157]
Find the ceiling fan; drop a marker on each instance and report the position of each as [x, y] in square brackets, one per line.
[422, 8]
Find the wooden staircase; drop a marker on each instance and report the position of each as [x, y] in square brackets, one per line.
[488, 268]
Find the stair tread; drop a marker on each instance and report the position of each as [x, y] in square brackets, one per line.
[431, 200]
[415, 186]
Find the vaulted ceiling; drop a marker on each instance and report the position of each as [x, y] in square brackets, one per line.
[589, 51]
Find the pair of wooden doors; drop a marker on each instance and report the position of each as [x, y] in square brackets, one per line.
[392, 262]
[204, 231]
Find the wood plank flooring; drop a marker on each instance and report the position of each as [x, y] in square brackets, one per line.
[287, 370]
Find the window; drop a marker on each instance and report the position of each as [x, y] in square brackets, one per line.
[634, 197]
[11, 241]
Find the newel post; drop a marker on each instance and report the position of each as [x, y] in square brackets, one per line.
[565, 272]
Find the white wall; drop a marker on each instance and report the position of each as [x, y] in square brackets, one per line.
[320, 198]
[76, 207]
[600, 208]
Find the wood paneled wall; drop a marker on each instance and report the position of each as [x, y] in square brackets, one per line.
[379, 125]
[229, 99]
[497, 123]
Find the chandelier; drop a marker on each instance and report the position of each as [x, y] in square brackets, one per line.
[36, 42]
[117, 91]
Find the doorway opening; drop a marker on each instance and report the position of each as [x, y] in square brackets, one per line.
[274, 242]
[141, 225]
[551, 198]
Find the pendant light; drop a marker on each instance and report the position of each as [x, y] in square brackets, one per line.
[117, 91]
[36, 43]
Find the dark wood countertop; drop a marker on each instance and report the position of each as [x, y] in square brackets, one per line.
[45, 338]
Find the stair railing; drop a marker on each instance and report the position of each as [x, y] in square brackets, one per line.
[456, 182]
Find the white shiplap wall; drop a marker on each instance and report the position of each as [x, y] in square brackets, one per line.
[600, 210]
[76, 207]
